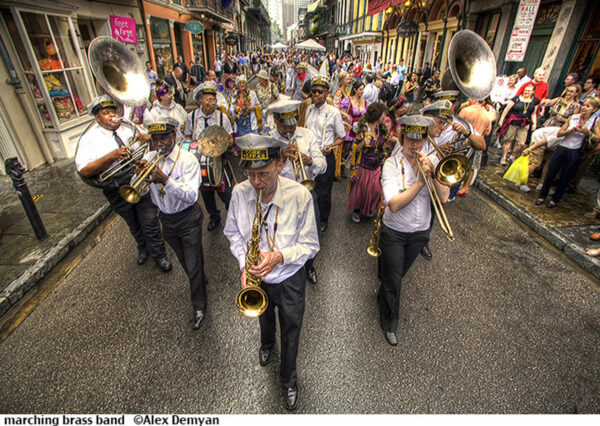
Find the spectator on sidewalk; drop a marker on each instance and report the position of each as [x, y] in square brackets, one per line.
[589, 90]
[431, 86]
[371, 92]
[522, 78]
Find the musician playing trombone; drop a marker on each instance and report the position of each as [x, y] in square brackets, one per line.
[406, 220]
[174, 190]
[303, 141]
[103, 144]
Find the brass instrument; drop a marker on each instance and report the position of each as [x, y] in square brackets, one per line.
[452, 168]
[132, 193]
[373, 249]
[135, 155]
[472, 66]
[435, 200]
[299, 169]
[252, 301]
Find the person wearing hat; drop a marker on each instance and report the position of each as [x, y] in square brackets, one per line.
[325, 121]
[204, 116]
[174, 80]
[277, 80]
[165, 105]
[431, 86]
[288, 239]
[406, 220]
[266, 91]
[174, 190]
[245, 108]
[285, 117]
[300, 78]
[101, 146]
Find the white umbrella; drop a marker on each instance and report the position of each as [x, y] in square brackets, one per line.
[279, 45]
[310, 44]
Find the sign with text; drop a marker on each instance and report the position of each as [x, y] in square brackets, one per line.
[519, 39]
[123, 29]
[407, 29]
[195, 27]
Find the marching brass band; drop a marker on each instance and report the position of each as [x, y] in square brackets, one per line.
[276, 216]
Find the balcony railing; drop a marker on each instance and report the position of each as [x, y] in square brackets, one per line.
[212, 7]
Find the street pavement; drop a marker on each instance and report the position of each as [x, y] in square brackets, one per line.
[498, 322]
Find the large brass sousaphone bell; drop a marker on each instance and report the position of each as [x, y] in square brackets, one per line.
[119, 71]
[472, 67]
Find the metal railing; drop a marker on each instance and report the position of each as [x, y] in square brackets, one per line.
[213, 6]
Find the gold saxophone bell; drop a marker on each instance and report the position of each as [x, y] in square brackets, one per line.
[132, 193]
[252, 301]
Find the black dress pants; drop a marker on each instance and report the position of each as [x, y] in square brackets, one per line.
[323, 188]
[566, 162]
[398, 252]
[183, 232]
[142, 220]
[288, 298]
[210, 202]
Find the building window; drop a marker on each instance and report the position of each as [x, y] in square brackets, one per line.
[162, 46]
[586, 61]
[487, 27]
[49, 55]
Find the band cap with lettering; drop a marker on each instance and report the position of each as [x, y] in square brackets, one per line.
[450, 95]
[285, 110]
[103, 101]
[415, 126]
[160, 124]
[258, 151]
[439, 109]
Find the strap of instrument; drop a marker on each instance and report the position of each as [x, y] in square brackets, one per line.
[324, 127]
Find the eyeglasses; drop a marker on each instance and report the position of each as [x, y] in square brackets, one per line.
[261, 175]
[318, 91]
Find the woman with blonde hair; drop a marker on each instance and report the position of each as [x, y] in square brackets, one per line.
[245, 109]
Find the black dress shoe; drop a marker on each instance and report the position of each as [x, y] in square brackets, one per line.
[198, 319]
[291, 397]
[264, 356]
[142, 257]
[164, 264]
[213, 224]
[551, 205]
[312, 275]
[391, 338]
[323, 226]
[426, 253]
[539, 202]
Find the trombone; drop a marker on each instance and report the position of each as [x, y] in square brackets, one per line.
[299, 169]
[452, 168]
[435, 200]
[132, 193]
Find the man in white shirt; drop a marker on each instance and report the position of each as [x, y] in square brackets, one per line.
[401, 74]
[218, 65]
[100, 147]
[303, 141]
[325, 121]
[288, 238]
[406, 220]
[173, 187]
[371, 92]
[523, 78]
[209, 115]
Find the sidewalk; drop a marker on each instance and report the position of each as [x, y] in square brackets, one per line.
[70, 210]
[564, 226]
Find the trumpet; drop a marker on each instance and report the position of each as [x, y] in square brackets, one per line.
[132, 193]
[300, 170]
[435, 200]
[252, 301]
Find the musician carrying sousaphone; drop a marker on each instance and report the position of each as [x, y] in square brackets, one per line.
[100, 147]
[206, 125]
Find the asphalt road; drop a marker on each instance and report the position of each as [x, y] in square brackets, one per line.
[498, 322]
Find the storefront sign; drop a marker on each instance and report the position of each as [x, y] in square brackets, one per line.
[195, 27]
[231, 39]
[123, 29]
[519, 39]
[407, 29]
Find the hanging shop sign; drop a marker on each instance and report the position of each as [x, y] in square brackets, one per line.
[519, 38]
[231, 39]
[407, 29]
[195, 27]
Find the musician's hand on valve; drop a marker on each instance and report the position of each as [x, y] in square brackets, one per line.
[446, 148]
[306, 160]
[460, 129]
[426, 164]
[143, 137]
[139, 166]
[269, 260]
[121, 153]
[157, 176]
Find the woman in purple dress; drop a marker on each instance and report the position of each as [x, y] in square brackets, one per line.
[365, 187]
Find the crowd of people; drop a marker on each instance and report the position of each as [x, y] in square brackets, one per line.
[307, 120]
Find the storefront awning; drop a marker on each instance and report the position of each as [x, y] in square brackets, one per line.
[362, 36]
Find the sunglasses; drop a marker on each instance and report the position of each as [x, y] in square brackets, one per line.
[318, 91]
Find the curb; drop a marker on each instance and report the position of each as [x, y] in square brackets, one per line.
[17, 289]
[554, 237]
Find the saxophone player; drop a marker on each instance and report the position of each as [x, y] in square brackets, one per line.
[288, 238]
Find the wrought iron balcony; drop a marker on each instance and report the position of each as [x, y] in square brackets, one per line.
[211, 7]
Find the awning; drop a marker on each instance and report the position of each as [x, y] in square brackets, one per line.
[362, 36]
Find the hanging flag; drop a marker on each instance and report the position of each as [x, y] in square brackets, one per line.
[376, 6]
[226, 3]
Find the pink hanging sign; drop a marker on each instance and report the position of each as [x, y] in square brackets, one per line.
[123, 29]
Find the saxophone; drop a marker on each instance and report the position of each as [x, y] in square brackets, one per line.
[373, 249]
[252, 301]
